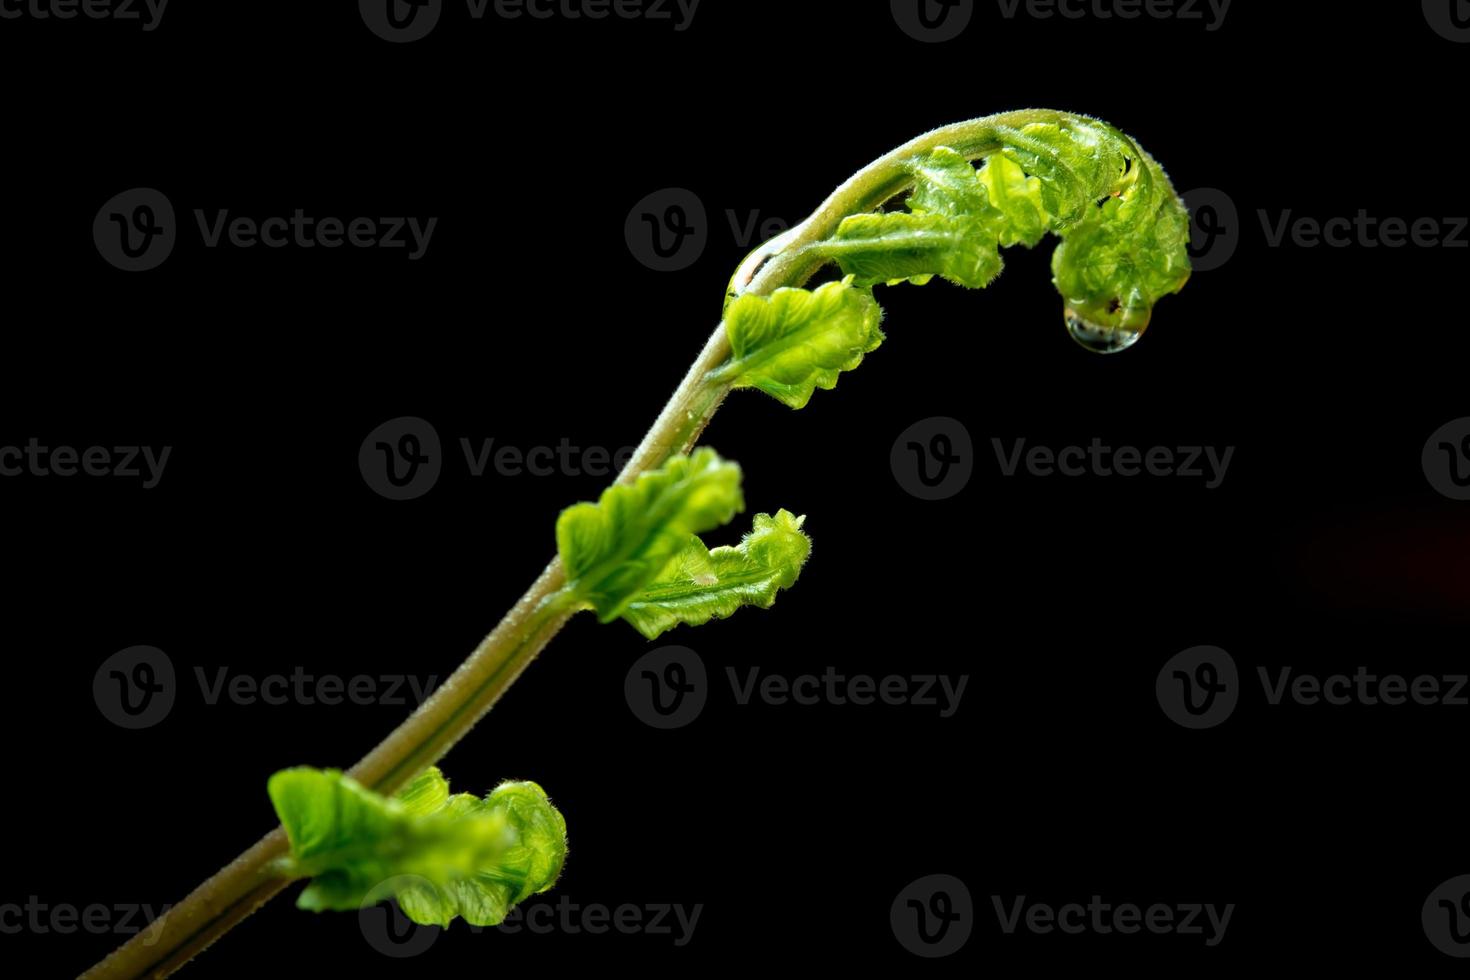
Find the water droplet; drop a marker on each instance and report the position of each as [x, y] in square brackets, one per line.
[1100, 338]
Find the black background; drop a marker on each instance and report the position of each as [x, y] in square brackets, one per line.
[529, 320]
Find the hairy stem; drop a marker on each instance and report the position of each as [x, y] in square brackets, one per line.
[443, 719]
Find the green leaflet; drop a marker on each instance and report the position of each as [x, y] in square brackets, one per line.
[636, 553]
[615, 547]
[957, 222]
[427, 793]
[902, 247]
[1020, 217]
[700, 584]
[1003, 201]
[440, 856]
[946, 183]
[794, 341]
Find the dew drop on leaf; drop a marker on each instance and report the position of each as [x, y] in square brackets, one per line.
[1100, 338]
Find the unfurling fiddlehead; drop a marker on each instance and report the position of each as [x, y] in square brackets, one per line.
[1124, 232]
[635, 554]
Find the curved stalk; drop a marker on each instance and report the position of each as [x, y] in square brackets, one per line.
[443, 719]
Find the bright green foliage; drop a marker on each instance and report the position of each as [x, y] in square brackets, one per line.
[615, 547]
[1124, 256]
[635, 553]
[957, 222]
[794, 341]
[1124, 231]
[903, 247]
[700, 584]
[1018, 214]
[439, 855]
